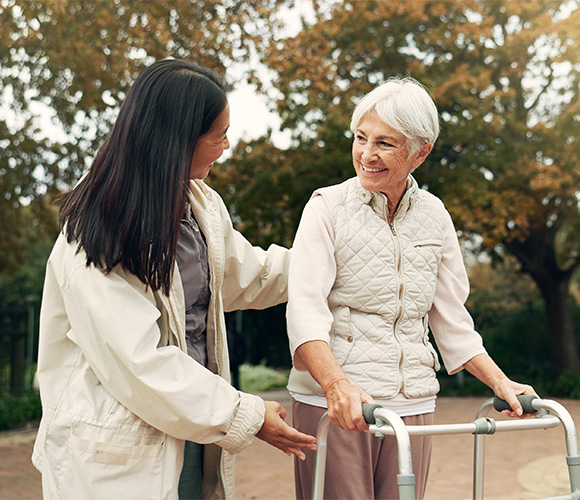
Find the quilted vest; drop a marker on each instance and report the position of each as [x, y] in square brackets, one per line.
[384, 288]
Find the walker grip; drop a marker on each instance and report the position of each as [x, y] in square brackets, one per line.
[368, 410]
[524, 399]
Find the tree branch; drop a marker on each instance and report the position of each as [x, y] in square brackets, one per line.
[543, 90]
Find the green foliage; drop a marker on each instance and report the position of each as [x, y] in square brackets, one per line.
[265, 337]
[565, 386]
[21, 283]
[18, 410]
[519, 343]
[24, 284]
[260, 378]
[510, 315]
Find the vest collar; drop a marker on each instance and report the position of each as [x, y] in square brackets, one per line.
[378, 200]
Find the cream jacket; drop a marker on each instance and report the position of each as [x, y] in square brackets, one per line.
[370, 290]
[119, 392]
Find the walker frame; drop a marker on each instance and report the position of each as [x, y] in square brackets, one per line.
[385, 422]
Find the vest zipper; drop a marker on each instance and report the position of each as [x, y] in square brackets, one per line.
[399, 260]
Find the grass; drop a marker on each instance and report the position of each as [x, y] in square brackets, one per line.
[260, 378]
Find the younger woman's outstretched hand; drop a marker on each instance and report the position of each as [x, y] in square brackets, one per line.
[278, 433]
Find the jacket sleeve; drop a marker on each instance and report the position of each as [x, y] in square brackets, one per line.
[312, 275]
[449, 319]
[253, 278]
[114, 323]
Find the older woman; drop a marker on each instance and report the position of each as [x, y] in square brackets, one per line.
[377, 262]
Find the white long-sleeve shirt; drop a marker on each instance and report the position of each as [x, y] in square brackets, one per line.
[312, 275]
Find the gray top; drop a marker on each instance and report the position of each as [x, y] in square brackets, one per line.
[194, 270]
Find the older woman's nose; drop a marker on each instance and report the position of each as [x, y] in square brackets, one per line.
[368, 152]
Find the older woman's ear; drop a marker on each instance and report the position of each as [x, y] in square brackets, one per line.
[421, 155]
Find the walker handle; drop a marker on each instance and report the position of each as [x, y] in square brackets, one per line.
[524, 399]
[368, 410]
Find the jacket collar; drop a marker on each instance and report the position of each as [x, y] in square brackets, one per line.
[378, 200]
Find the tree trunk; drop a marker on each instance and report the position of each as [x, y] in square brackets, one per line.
[563, 345]
[537, 255]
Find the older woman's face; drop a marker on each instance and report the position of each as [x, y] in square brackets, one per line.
[380, 157]
[210, 146]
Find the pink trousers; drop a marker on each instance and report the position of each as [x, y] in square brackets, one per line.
[358, 465]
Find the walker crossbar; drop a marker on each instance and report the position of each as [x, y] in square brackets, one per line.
[385, 422]
[475, 427]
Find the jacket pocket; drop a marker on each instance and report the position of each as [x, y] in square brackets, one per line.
[341, 337]
[433, 242]
[104, 463]
[425, 255]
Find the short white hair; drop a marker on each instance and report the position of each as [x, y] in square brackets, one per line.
[404, 105]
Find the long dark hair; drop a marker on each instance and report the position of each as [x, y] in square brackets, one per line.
[127, 209]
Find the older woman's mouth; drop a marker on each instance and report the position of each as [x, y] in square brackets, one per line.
[372, 170]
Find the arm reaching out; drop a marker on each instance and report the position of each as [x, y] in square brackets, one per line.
[280, 435]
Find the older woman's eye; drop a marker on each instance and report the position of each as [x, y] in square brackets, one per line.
[361, 138]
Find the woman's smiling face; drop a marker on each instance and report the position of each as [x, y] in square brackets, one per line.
[380, 157]
[211, 146]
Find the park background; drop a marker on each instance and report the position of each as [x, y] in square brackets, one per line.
[505, 75]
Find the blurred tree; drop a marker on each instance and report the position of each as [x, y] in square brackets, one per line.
[72, 62]
[509, 312]
[493, 298]
[506, 79]
[25, 250]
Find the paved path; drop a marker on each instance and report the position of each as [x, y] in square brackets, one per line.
[521, 465]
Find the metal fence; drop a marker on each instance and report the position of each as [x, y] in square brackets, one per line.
[18, 348]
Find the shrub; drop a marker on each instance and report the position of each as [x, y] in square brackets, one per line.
[260, 378]
[16, 411]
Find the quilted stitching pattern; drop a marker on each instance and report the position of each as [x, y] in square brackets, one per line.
[386, 281]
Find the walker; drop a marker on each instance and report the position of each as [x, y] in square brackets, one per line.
[384, 422]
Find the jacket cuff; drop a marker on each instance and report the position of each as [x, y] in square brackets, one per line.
[247, 422]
